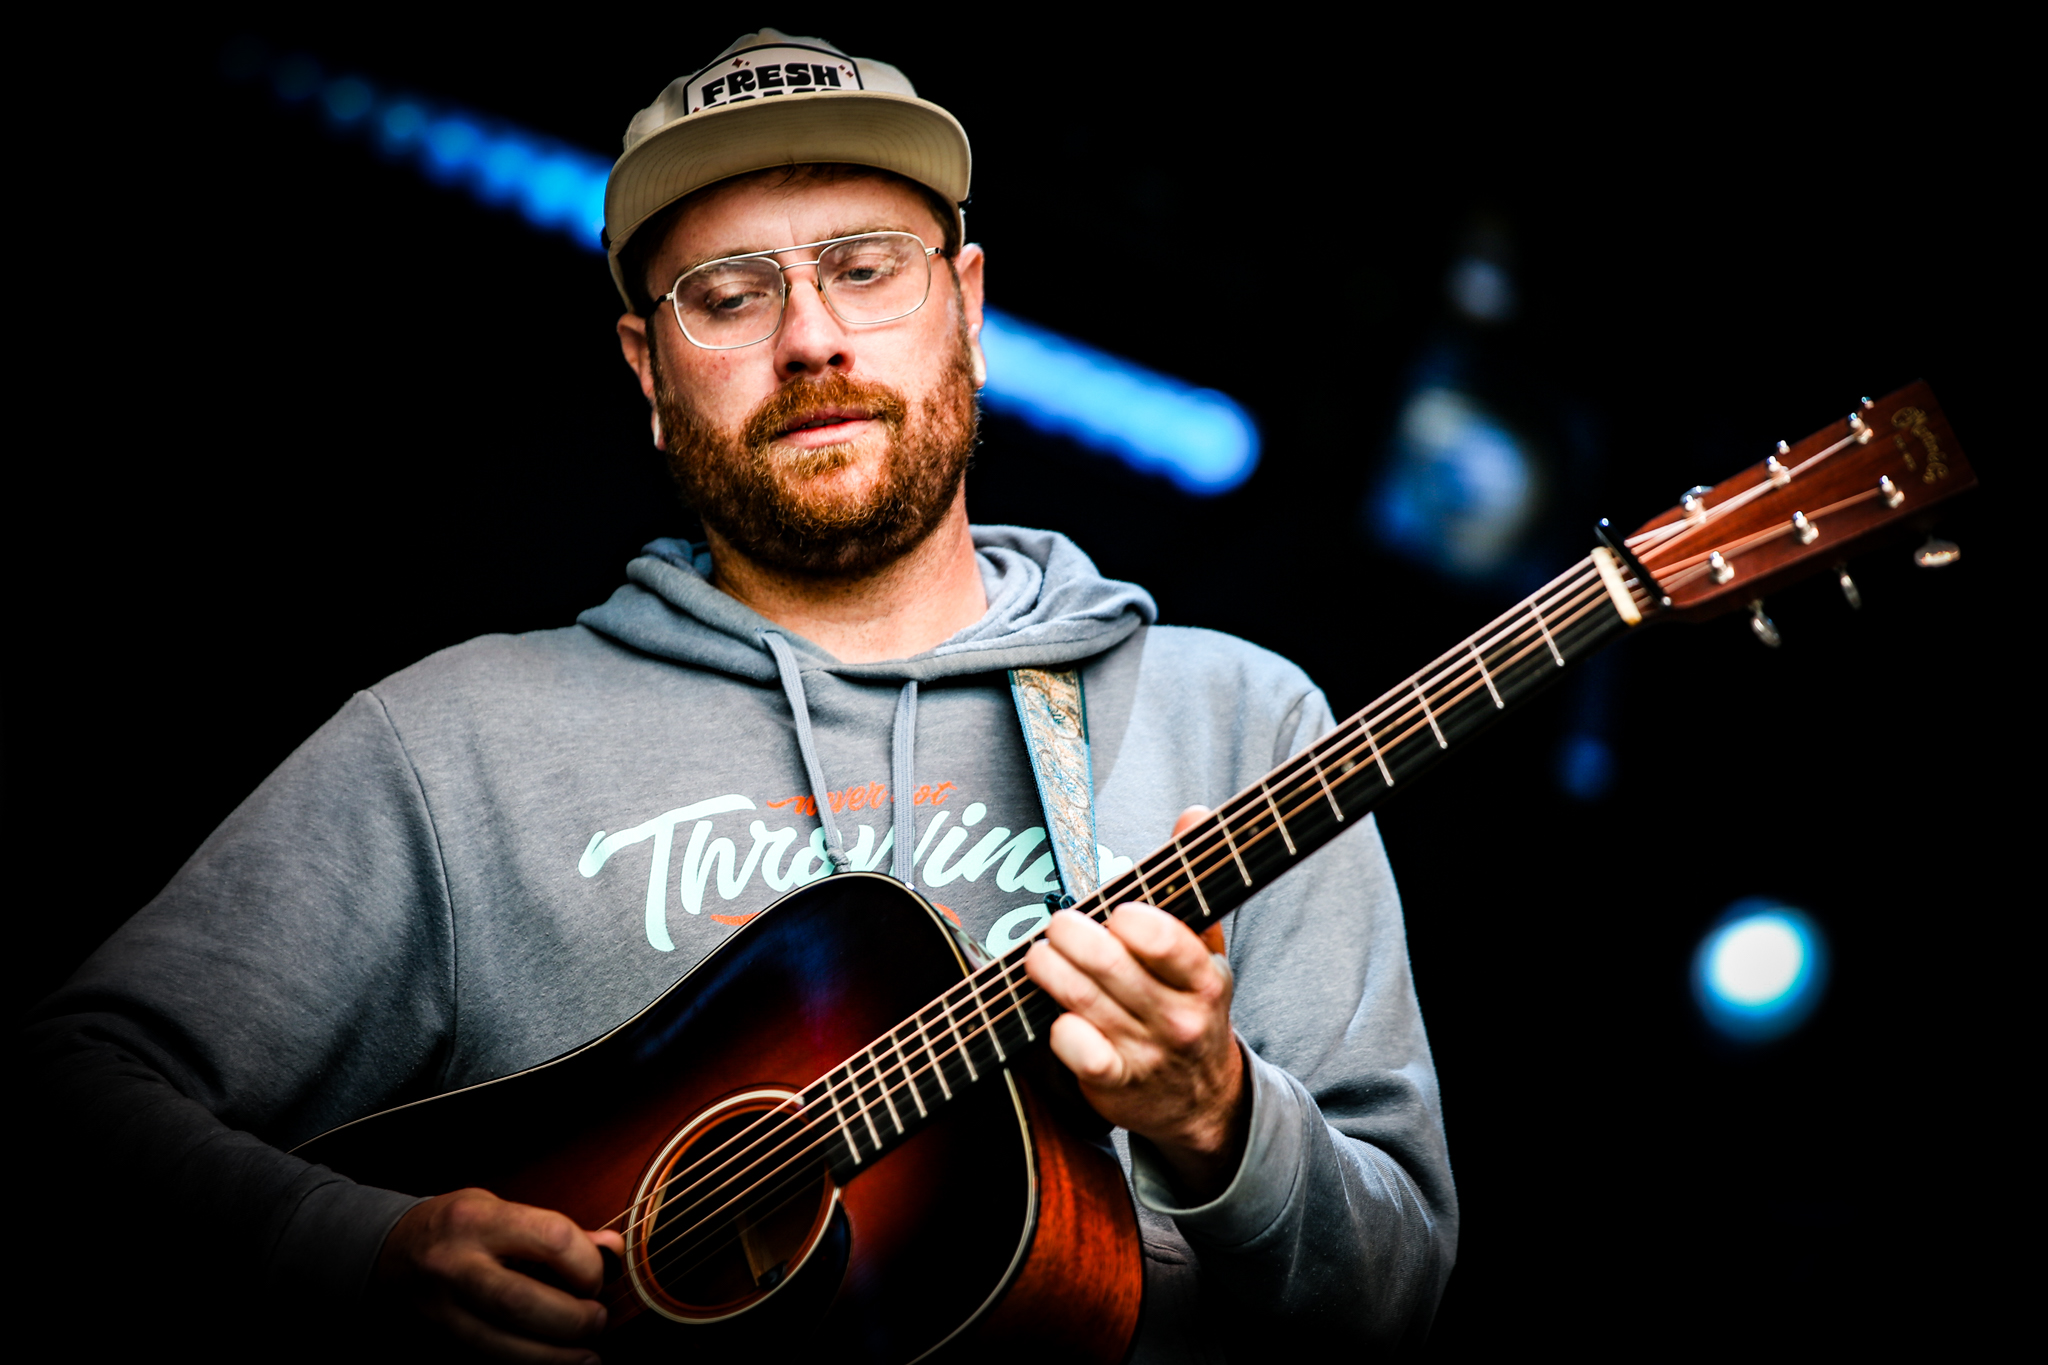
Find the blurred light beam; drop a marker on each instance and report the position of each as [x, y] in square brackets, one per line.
[1203, 441]
[1200, 439]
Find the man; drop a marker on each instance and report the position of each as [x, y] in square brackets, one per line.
[505, 850]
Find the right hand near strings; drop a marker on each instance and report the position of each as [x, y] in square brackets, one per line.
[459, 1265]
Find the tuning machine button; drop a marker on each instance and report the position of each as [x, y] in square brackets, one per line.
[1859, 428]
[1892, 496]
[1694, 502]
[1722, 570]
[1808, 532]
[1866, 403]
[1763, 626]
[1849, 591]
[1937, 553]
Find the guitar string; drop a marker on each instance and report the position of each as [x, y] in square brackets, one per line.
[1660, 539]
[1198, 848]
[686, 1240]
[808, 1109]
[1011, 976]
[680, 1243]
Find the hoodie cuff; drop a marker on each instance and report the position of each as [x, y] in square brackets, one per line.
[326, 1252]
[1266, 1178]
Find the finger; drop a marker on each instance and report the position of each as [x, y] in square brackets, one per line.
[521, 1232]
[1168, 949]
[1192, 816]
[1114, 990]
[1083, 1050]
[1078, 990]
[503, 1298]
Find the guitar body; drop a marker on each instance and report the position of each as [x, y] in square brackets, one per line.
[1000, 1228]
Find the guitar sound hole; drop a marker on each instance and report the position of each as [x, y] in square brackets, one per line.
[730, 1210]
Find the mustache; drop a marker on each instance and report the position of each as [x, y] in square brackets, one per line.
[796, 404]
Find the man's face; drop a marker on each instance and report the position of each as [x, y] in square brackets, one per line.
[828, 448]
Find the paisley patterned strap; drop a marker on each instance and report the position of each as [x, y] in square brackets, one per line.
[1055, 718]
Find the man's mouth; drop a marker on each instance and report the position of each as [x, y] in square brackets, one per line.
[829, 422]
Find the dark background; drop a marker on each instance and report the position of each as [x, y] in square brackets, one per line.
[297, 417]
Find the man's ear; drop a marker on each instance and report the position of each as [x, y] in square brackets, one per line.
[633, 345]
[968, 267]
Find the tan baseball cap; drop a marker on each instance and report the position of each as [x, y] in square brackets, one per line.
[773, 100]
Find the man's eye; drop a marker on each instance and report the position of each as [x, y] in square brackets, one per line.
[725, 302]
[868, 272]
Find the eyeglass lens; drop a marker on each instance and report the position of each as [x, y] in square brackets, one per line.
[879, 278]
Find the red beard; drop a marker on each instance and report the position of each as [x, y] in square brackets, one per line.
[766, 501]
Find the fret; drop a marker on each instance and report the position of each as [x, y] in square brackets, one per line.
[1544, 626]
[1231, 844]
[938, 1069]
[1138, 869]
[845, 1133]
[1416, 683]
[1274, 806]
[903, 1068]
[1330, 795]
[1386, 774]
[882, 1084]
[1022, 1017]
[874, 1134]
[1498, 704]
[959, 1043]
[1193, 880]
[987, 1025]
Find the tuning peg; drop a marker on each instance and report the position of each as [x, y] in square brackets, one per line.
[1849, 592]
[1766, 629]
[1937, 553]
[1893, 498]
[1866, 403]
[1773, 466]
[1719, 567]
[1694, 502]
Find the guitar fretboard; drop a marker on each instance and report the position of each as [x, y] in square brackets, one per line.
[887, 1091]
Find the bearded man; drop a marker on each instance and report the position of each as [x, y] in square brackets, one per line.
[505, 850]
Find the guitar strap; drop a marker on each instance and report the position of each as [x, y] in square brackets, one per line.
[1054, 714]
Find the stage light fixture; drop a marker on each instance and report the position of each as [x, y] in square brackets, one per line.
[1203, 441]
[1760, 971]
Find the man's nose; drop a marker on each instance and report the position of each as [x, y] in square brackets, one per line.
[813, 339]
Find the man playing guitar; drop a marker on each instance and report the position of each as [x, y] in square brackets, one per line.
[401, 909]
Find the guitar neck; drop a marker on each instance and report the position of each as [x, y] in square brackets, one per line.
[877, 1098]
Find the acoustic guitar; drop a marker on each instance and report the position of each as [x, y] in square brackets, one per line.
[851, 1138]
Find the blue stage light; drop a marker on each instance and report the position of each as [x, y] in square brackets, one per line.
[1459, 489]
[1198, 438]
[1201, 440]
[1761, 970]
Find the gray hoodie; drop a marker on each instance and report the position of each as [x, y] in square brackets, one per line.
[508, 848]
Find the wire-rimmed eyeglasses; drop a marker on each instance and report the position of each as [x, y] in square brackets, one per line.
[737, 301]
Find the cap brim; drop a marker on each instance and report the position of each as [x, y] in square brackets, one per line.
[900, 133]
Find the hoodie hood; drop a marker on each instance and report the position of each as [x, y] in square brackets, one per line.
[1048, 607]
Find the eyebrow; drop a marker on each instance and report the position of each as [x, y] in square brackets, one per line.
[766, 250]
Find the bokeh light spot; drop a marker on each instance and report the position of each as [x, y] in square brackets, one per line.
[1760, 971]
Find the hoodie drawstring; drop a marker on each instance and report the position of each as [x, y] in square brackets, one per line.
[901, 767]
[900, 771]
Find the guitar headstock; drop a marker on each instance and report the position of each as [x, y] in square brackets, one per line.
[1807, 506]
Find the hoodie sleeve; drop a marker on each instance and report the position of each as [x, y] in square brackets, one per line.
[1340, 1225]
[296, 973]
